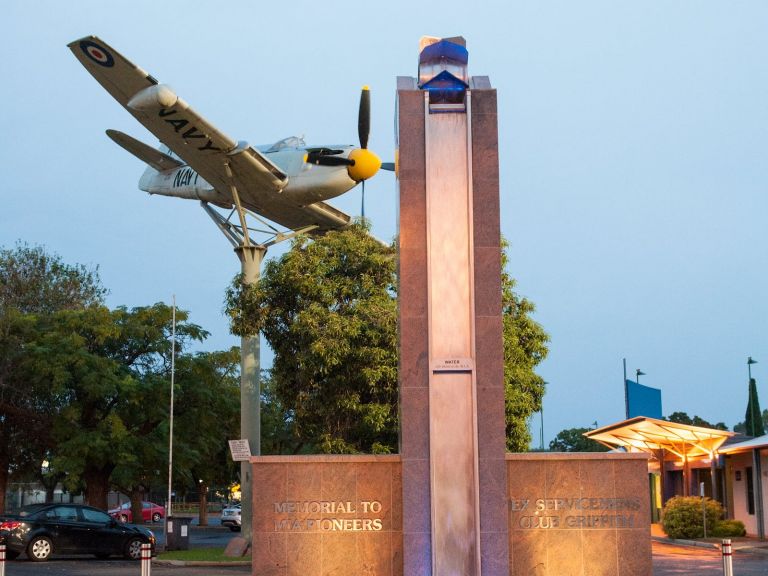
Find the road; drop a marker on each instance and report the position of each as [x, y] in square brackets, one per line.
[669, 560]
[82, 566]
[211, 536]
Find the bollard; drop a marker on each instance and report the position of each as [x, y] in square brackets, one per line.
[727, 557]
[2, 559]
[146, 560]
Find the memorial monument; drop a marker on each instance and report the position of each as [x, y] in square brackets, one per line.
[452, 503]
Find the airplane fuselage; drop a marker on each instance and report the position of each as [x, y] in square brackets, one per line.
[307, 183]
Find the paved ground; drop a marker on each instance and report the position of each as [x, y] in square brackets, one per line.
[676, 560]
[92, 567]
[670, 558]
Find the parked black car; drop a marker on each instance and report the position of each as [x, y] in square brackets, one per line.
[41, 530]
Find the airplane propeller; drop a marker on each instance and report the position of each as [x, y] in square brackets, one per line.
[366, 163]
[361, 163]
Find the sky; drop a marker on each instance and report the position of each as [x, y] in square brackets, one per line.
[633, 143]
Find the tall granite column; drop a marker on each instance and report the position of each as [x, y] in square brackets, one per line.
[437, 431]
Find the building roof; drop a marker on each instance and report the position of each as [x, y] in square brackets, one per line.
[751, 444]
[642, 434]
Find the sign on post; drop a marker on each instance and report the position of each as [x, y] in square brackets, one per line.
[240, 450]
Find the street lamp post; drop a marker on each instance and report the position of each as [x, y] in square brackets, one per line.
[638, 373]
[749, 366]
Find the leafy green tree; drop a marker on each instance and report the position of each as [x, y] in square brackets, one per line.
[525, 346]
[328, 309]
[741, 427]
[573, 440]
[33, 283]
[207, 415]
[683, 418]
[278, 424]
[105, 373]
[753, 421]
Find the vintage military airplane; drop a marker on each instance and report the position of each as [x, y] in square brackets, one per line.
[286, 183]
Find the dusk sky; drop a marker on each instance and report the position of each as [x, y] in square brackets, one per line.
[633, 142]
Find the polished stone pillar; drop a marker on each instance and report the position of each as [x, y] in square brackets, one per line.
[451, 373]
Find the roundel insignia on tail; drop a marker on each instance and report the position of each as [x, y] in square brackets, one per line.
[97, 53]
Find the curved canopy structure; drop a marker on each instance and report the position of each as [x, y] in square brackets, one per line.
[642, 434]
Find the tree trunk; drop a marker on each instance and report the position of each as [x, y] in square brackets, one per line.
[203, 513]
[97, 485]
[49, 482]
[4, 465]
[137, 496]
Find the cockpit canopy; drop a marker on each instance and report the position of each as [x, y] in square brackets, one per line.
[290, 142]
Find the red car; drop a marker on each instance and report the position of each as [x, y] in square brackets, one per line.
[149, 512]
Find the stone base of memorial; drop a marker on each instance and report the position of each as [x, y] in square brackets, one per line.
[317, 515]
[579, 513]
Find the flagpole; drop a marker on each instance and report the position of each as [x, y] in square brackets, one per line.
[170, 432]
[626, 392]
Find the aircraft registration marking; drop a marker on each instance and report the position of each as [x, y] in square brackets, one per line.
[185, 177]
[97, 53]
[191, 132]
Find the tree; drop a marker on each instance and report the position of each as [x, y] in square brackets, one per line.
[573, 440]
[32, 283]
[525, 346]
[107, 377]
[328, 309]
[742, 429]
[753, 421]
[278, 424]
[207, 415]
[683, 418]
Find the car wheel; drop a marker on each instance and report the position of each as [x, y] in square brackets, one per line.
[39, 549]
[156, 517]
[235, 528]
[133, 549]
[123, 518]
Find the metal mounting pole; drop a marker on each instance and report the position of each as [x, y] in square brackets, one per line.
[251, 254]
[250, 388]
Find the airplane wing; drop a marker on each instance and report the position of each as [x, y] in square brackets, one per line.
[220, 160]
[155, 158]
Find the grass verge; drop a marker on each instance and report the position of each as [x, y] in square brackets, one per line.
[201, 555]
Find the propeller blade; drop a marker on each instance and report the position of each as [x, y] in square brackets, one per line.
[364, 117]
[390, 166]
[362, 202]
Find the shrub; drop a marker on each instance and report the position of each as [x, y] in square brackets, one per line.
[682, 516]
[727, 528]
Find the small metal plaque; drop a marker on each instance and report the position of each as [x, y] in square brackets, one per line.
[453, 365]
[240, 450]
